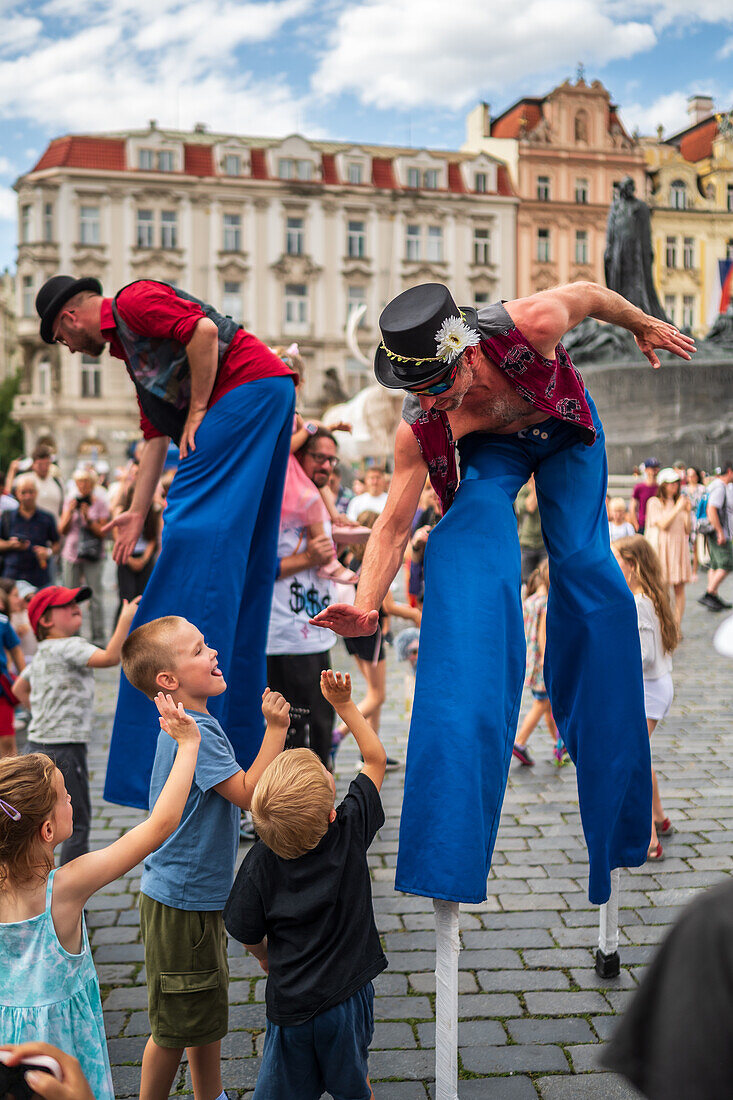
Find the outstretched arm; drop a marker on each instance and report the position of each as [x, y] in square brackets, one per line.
[544, 319]
[386, 546]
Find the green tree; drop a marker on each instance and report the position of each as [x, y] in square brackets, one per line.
[11, 433]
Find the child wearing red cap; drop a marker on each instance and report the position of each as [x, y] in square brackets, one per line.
[58, 689]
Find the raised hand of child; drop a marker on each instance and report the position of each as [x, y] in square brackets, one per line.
[174, 720]
[129, 608]
[336, 687]
[276, 709]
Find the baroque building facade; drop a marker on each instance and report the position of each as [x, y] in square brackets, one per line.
[691, 200]
[567, 151]
[299, 240]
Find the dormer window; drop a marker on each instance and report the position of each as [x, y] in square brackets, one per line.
[413, 177]
[481, 183]
[232, 164]
[430, 179]
[290, 169]
[355, 173]
[146, 160]
[165, 160]
[678, 195]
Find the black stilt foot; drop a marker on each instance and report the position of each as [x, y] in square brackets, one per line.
[607, 966]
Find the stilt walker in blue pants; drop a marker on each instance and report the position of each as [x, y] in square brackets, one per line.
[228, 401]
[499, 382]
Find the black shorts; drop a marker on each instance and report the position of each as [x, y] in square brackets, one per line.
[370, 648]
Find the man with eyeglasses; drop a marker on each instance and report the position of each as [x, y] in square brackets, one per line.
[498, 384]
[227, 400]
[297, 651]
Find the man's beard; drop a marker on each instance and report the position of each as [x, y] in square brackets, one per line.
[91, 347]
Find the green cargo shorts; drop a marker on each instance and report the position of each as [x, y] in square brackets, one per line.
[187, 974]
[721, 557]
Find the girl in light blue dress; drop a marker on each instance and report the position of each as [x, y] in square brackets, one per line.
[49, 988]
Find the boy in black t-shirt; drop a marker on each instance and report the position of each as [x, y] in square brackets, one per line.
[302, 904]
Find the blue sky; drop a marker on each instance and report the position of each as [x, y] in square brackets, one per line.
[391, 71]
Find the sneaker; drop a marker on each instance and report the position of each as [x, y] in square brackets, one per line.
[523, 755]
[391, 764]
[560, 755]
[711, 601]
[721, 603]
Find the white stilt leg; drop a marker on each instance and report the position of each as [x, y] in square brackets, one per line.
[607, 961]
[447, 947]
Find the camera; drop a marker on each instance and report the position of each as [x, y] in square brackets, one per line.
[84, 500]
[13, 1085]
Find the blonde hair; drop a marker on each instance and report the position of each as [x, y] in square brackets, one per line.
[292, 803]
[636, 551]
[617, 502]
[148, 650]
[26, 784]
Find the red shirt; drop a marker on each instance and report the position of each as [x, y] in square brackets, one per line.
[154, 309]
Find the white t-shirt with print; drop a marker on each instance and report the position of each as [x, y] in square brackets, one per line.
[295, 600]
[62, 691]
[365, 502]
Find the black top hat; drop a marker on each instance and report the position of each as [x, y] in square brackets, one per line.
[54, 293]
[423, 333]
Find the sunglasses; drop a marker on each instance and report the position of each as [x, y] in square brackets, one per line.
[438, 387]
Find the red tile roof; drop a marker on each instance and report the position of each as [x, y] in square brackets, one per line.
[198, 160]
[509, 124]
[383, 173]
[504, 181]
[328, 168]
[697, 143]
[258, 162]
[104, 154]
[455, 179]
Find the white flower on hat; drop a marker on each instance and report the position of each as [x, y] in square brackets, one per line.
[453, 337]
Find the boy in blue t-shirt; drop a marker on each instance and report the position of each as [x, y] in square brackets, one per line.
[186, 881]
[9, 644]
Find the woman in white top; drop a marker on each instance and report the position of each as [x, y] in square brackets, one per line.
[659, 635]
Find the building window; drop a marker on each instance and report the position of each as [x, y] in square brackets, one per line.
[671, 252]
[670, 307]
[729, 203]
[678, 195]
[413, 177]
[89, 225]
[232, 233]
[25, 224]
[44, 378]
[356, 240]
[146, 160]
[231, 300]
[288, 169]
[28, 297]
[688, 252]
[688, 311]
[543, 245]
[481, 182]
[354, 173]
[481, 298]
[434, 249]
[729, 250]
[412, 242]
[294, 237]
[285, 169]
[481, 246]
[356, 298]
[145, 228]
[543, 188]
[168, 229]
[304, 169]
[296, 304]
[48, 221]
[581, 246]
[430, 179]
[232, 164]
[90, 377]
[165, 160]
[581, 191]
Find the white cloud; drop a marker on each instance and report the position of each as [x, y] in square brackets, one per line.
[8, 205]
[6, 166]
[124, 67]
[726, 50]
[669, 111]
[412, 53]
[673, 13]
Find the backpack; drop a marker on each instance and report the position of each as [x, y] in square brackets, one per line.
[702, 523]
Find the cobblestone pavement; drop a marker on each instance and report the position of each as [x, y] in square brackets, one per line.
[533, 1013]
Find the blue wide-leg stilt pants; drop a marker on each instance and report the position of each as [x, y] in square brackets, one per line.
[471, 666]
[217, 569]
